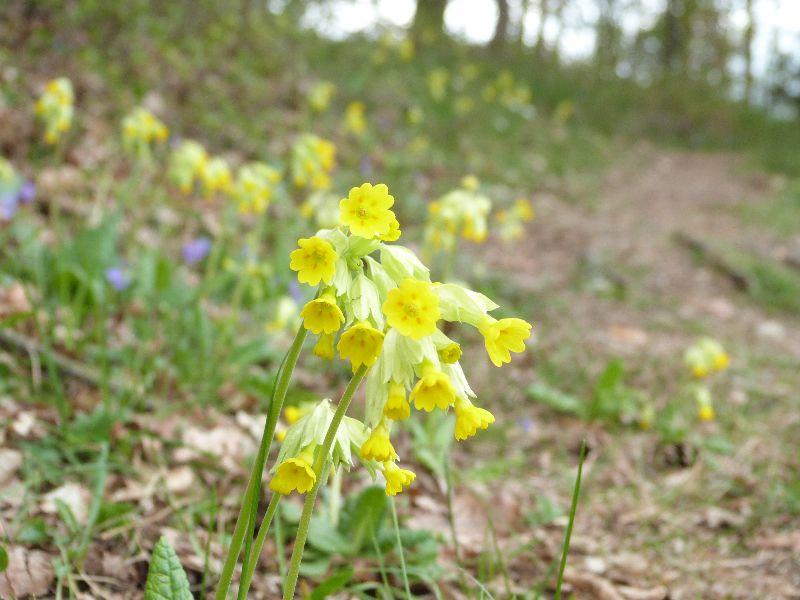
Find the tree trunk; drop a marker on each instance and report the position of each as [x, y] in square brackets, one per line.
[501, 28]
[749, 34]
[428, 24]
[544, 12]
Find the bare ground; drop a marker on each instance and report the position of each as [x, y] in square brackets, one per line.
[647, 528]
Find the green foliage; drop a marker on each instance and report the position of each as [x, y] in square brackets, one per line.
[166, 579]
[610, 400]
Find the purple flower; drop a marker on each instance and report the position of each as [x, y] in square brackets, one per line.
[27, 192]
[196, 250]
[118, 278]
[295, 292]
[8, 206]
[366, 167]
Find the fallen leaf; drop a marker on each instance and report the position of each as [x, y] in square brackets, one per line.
[29, 573]
[75, 496]
[10, 462]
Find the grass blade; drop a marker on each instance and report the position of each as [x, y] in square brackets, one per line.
[576, 490]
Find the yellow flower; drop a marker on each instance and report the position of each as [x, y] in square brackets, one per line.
[396, 478]
[378, 445]
[706, 412]
[361, 344]
[450, 353]
[503, 337]
[294, 474]
[354, 120]
[393, 234]
[470, 418]
[470, 182]
[322, 315]
[397, 407]
[366, 210]
[433, 390]
[721, 361]
[314, 261]
[292, 414]
[524, 210]
[412, 309]
[699, 371]
[324, 346]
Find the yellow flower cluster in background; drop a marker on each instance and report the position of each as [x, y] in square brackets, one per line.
[55, 107]
[320, 96]
[354, 120]
[186, 164]
[511, 221]
[705, 357]
[377, 307]
[255, 186]
[312, 162]
[462, 212]
[140, 130]
[216, 177]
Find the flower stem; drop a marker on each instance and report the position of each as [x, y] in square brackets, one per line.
[321, 464]
[249, 568]
[253, 491]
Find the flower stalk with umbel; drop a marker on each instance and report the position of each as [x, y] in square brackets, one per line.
[377, 308]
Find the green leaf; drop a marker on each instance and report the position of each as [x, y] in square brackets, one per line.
[166, 579]
[364, 516]
[4, 559]
[332, 584]
[556, 399]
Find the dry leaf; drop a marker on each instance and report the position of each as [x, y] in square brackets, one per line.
[75, 496]
[29, 573]
[10, 462]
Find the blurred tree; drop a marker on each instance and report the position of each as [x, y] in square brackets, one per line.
[428, 24]
[501, 27]
[608, 36]
[747, 43]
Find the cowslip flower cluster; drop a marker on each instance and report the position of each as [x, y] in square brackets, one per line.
[507, 92]
[354, 120]
[255, 186]
[706, 356]
[55, 107]
[376, 306]
[323, 207]
[140, 130]
[320, 95]
[313, 159]
[186, 164]
[511, 221]
[461, 212]
[438, 82]
[216, 177]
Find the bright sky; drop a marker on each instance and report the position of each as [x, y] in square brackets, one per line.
[474, 20]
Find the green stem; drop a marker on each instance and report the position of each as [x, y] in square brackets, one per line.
[568, 533]
[320, 461]
[400, 551]
[249, 568]
[252, 493]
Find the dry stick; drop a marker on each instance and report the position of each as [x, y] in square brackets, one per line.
[321, 464]
[714, 259]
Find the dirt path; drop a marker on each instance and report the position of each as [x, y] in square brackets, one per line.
[613, 282]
